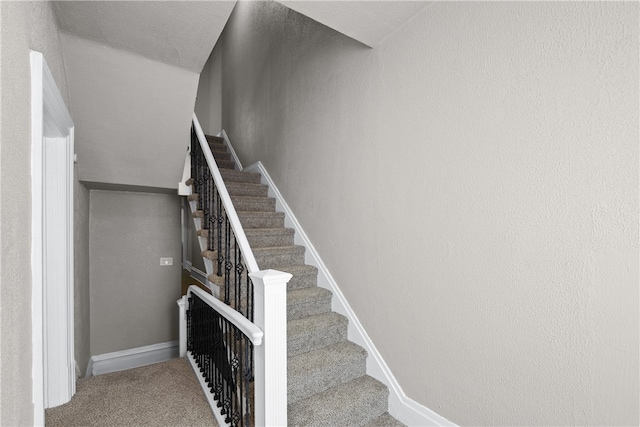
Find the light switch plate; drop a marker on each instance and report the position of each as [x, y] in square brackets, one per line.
[166, 261]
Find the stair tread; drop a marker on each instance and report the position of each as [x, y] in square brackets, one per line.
[313, 332]
[315, 371]
[240, 176]
[269, 231]
[225, 164]
[354, 403]
[220, 151]
[259, 214]
[246, 188]
[251, 198]
[213, 138]
[299, 296]
[309, 301]
[278, 249]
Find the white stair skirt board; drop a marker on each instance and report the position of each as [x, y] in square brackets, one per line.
[403, 408]
[235, 158]
[200, 276]
[132, 358]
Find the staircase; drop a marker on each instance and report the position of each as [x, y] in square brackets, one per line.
[327, 381]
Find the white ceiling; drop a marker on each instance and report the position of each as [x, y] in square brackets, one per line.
[369, 22]
[180, 33]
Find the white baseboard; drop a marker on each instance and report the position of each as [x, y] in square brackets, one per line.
[132, 358]
[401, 407]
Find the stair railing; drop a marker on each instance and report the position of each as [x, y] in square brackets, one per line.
[226, 240]
[226, 349]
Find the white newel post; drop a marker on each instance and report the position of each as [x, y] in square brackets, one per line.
[182, 303]
[270, 315]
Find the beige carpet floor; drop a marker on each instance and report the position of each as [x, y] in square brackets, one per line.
[163, 394]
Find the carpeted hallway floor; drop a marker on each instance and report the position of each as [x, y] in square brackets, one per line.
[163, 394]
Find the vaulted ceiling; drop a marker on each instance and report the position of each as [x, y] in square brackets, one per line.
[180, 33]
[183, 33]
[133, 70]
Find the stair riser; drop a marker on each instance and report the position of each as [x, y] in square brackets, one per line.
[300, 281]
[316, 339]
[260, 205]
[302, 384]
[279, 260]
[221, 155]
[225, 164]
[238, 176]
[353, 412]
[265, 241]
[261, 221]
[308, 308]
[243, 189]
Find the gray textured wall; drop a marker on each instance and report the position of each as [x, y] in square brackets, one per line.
[472, 185]
[133, 297]
[209, 100]
[24, 26]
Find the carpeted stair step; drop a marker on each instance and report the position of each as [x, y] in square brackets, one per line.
[304, 276]
[314, 332]
[232, 175]
[225, 164]
[254, 204]
[354, 403]
[266, 237]
[217, 145]
[214, 139]
[385, 420]
[308, 302]
[221, 153]
[316, 371]
[247, 189]
[278, 256]
[261, 219]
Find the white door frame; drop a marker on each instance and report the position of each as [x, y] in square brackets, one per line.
[52, 148]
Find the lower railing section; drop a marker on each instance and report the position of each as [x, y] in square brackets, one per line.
[243, 376]
[224, 355]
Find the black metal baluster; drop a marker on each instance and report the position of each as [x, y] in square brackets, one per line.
[213, 219]
[220, 223]
[237, 273]
[227, 257]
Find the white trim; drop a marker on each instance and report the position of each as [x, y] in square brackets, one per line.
[52, 261]
[270, 305]
[403, 408]
[132, 358]
[37, 306]
[223, 134]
